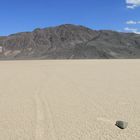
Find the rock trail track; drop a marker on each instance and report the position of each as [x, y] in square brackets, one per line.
[44, 120]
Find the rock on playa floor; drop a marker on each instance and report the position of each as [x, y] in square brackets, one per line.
[69, 100]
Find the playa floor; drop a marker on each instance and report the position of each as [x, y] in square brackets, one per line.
[69, 100]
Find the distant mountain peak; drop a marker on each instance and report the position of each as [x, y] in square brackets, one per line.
[70, 41]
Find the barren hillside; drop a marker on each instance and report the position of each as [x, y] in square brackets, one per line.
[70, 42]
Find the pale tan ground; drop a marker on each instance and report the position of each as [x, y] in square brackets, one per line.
[69, 100]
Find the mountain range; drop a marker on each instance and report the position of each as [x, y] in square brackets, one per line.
[70, 42]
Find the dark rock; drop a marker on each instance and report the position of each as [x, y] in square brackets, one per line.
[121, 124]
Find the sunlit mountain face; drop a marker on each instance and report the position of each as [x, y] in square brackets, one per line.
[70, 42]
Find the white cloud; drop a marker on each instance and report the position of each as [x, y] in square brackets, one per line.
[133, 30]
[137, 32]
[132, 22]
[130, 29]
[132, 4]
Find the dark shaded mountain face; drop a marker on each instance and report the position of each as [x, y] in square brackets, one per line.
[69, 42]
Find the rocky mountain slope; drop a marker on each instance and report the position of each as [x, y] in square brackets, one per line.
[69, 42]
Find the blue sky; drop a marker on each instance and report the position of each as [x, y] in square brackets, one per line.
[26, 15]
